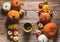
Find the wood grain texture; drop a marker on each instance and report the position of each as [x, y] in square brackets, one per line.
[31, 17]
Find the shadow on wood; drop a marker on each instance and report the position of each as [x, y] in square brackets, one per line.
[3, 12]
[27, 36]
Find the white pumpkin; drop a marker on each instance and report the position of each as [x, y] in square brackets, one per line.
[9, 32]
[6, 6]
[42, 38]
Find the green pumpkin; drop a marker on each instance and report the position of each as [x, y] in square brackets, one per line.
[15, 38]
[40, 26]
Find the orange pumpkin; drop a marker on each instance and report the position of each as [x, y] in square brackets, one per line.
[45, 18]
[16, 4]
[13, 15]
[50, 29]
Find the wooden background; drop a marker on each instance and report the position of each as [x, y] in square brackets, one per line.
[31, 6]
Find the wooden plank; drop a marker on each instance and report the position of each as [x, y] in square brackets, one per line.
[31, 17]
[50, 39]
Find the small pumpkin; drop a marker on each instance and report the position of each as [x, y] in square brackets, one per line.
[38, 32]
[13, 15]
[15, 38]
[11, 37]
[6, 6]
[13, 26]
[9, 32]
[40, 11]
[50, 12]
[42, 38]
[21, 12]
[15, 33]
[46, 8]
[16, 4]
[45, 18]
[40, 26]
[50, 29]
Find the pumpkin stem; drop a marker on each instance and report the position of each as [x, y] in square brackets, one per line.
[45, 18]
[13, 17]
[43, 40]
[17, 2]
[52, 30]
[5, 6]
